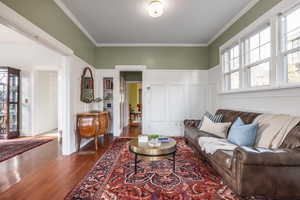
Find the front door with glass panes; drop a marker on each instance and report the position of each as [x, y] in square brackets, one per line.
[9, 102]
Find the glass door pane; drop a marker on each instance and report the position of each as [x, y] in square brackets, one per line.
[3, 101]
[13, 88]
[13, 117]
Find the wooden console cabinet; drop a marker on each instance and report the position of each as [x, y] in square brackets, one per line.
[91, 125]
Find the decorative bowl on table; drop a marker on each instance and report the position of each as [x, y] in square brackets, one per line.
[154, 141]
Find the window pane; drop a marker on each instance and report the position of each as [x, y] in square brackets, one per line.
[265, 51]
[294, 67]
[226, 62]
[265, 36]
[235, 80]
[231, 54]
[258, 47]
[235, 64]
[254, 41]
[254, 56]
[293, 39]
[236, 51]
[260, 75]
[293, 30]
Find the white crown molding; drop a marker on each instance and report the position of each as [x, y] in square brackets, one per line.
[233, 20]
[149, 45]
[68, 12]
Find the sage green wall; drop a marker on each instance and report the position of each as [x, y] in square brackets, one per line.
[49, 17]
[153, 57]
[255, 12]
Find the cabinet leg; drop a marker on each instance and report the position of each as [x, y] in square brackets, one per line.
[135, 163]
[174, 161]
[96, 142]
[78, 142]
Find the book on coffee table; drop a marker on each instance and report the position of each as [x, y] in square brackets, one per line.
[164, 140]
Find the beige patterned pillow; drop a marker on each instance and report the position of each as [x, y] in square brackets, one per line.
[218, 129]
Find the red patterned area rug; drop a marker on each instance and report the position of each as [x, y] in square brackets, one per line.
[113, 178]
[13, 147]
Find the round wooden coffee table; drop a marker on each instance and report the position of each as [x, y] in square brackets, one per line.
[145, 152]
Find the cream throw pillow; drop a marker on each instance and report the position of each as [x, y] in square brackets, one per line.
[218, 129]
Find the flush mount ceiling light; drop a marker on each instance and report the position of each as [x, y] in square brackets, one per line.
[156, 8]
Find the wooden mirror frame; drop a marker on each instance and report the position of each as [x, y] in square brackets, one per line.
[83, 97]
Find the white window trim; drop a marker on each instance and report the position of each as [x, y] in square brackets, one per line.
[277, 80]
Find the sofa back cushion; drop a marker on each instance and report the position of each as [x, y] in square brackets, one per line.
[218, 129]
[243, 134]
[232, 115]
[292, 140]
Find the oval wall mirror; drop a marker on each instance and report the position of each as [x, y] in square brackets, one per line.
[87, 86]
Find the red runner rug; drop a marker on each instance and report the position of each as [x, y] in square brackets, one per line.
[113, 178]
[13, 147]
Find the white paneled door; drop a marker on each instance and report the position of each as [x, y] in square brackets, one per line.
[166, 109]
[169, 101]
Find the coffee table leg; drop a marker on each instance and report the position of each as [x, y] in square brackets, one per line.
[174, 161]
[135, 163]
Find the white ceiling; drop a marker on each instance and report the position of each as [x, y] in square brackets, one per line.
[127, 21]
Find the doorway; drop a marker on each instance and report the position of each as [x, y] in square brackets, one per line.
[46, 101]
[134, 90]
[131, 103]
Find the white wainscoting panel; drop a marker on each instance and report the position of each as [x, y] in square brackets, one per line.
[176, 98]
[172, 96]
[157, 103]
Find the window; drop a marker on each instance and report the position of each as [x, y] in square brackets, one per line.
[291, 45]
[231, 68]
[257, 48]
[266, 54]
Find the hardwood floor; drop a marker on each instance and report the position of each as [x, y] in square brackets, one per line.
[132, 131]
[43, 173]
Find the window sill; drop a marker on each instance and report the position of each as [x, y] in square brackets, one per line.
[261, 89]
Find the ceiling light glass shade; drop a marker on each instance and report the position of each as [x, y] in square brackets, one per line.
[156, 9]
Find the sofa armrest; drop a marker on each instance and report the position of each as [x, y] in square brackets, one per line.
[267, 157]
[191, 122]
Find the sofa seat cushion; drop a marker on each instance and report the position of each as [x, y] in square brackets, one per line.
[211, 145]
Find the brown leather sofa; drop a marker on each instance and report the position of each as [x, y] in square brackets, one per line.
[254, 171]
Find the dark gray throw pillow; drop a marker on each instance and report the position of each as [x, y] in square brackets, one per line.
[214, 118]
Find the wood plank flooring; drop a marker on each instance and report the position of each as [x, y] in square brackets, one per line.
[43, 173]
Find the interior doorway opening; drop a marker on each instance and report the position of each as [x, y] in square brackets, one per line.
[131, 106]
[46, 101]
[40, 110]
